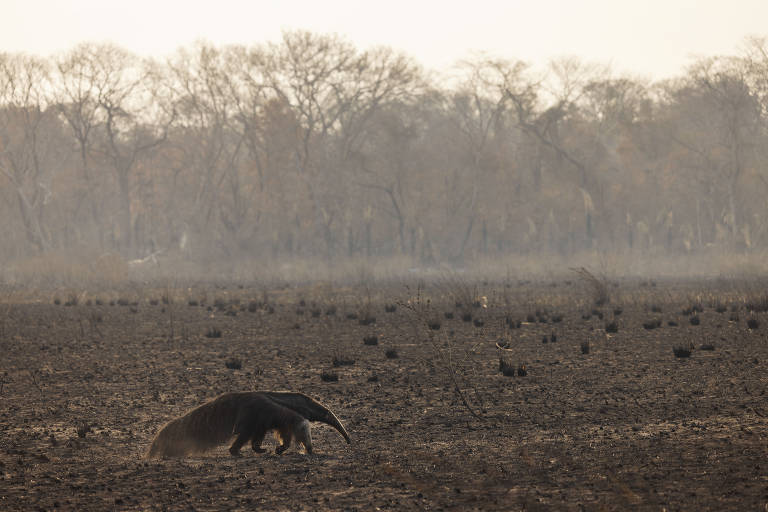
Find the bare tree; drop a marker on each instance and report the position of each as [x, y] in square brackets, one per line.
[124, 98]
[211, 148]
[28, 141]
[335, 91]
[75, 90]
[716, 118]
[478, 110]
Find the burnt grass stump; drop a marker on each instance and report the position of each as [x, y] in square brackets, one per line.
[233, 364]
[340, 360]
[652, 324]
[328, 376]
[506, 368]
[213, 332]
[367, 319]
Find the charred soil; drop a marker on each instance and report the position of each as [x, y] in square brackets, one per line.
[625, 425]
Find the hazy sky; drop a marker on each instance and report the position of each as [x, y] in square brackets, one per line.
[652, 38]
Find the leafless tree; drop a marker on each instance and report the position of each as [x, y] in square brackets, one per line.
[28, 135]
[716, 118]
[124, 98]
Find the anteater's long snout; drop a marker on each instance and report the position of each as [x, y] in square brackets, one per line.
[333, 421]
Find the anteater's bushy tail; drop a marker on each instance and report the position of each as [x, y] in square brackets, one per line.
[200, 430]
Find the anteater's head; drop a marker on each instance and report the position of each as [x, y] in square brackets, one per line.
[333, 421]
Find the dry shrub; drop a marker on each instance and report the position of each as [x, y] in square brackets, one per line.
[598, 286]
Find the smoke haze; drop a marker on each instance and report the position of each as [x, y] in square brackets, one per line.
[312, 157]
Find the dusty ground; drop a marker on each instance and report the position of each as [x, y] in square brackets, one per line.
[625, 426]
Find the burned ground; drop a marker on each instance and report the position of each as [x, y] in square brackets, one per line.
[604, 415]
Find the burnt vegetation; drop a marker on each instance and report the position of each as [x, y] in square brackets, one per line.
[523, 380]
[213, 332]
[329, 376]
[683, 351]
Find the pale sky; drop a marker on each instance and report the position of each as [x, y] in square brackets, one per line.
[648, 38]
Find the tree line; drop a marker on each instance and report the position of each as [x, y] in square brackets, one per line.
[310, 147]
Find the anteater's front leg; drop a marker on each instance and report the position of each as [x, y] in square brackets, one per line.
[285, 440]
[258, 438]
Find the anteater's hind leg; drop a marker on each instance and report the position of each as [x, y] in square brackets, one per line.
[242, 438]
[248, 427]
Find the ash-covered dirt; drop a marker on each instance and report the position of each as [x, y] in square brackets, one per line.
[626, 425]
